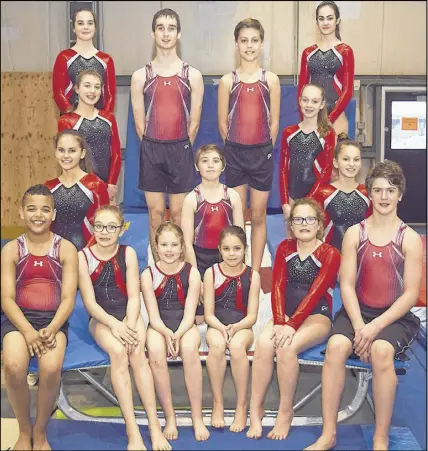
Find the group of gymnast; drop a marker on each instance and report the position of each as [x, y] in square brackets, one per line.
[339, 230]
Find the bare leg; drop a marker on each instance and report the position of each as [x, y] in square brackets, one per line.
[175, 207]
[261, 377]
[216, 367]
[384, 387]
[240, 366]
[258, 204]
[156, 346]
[156, 207]
[242, 190]
[189, 352]
[339, 348]
[313, 331]
[120, 379]
[15, 362]
[341, 124]
[145, 386]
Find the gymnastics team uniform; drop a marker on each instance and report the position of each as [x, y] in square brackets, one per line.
[76, 206]
[306, 160]
[68, 65]
[102, 136]
[171, 292]
[379, 283]
[303, 288]
[38, 286]
[342, 210]
[334, 71]
[166, 156]
[109, 281]
[231, 295]
[248, 146]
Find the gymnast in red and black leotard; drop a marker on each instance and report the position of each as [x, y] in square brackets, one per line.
[304, 275]
[330, 64]
[306, 155]
[83, 55]
[345, 201]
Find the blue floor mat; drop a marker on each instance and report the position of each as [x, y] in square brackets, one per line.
[82, 435]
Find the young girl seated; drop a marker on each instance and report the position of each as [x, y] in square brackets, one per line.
[207, 210]
[109, 284]
[304, 274]
[171, 289]
[231, 300]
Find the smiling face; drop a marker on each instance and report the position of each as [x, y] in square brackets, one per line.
[37, 212]
[304, 223]
[311, 101]
[69, 152]
[327, 20]
[166, 32]
[232, 250]
[107, 228]
[84, 26]
[384, 196]
[89, 89]
[249, 44]
[169, 247]
[348, 161]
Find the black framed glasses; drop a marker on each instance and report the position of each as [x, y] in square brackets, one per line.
[298, 220]
[111, 228]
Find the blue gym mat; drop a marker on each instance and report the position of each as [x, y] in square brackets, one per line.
[82, 435]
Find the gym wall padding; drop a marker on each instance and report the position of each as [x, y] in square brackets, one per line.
[208, 133]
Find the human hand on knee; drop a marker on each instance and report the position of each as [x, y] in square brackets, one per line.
[35, 345]
[231, 331]
[48, 336]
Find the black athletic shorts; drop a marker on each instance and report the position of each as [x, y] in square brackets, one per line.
[400, 334]
[252, 165]
[166, 166]
[37, 318]
[205, 258]
[295, 293]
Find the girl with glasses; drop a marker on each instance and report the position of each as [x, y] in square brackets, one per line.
[110, 288]
[304, 274]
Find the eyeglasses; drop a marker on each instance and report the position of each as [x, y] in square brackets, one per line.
[110, 228]
[310, 220]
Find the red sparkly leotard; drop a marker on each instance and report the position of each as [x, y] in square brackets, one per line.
[231, 295]
[302, 284]
[211, 219]
[306, 160]
[171, 292]
[38, 278]
[248, 122]
[109, 281]
[380, 270]
[334, 71]
[102, 136]
[167, 105]
[342, 210]
[68, 65]
[75, 207]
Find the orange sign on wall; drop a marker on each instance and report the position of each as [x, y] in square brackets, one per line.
[409, 123]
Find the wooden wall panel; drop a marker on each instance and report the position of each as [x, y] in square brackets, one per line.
[29, 119]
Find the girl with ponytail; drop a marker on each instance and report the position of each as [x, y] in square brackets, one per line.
[306, 156]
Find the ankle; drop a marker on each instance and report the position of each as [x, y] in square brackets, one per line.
[217, 402]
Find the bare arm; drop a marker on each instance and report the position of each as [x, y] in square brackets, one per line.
[209, 302]
[253, 304]
[348, 274]
[137, 99]
[275, 98]
[223, 104]
[132, 287]
[237, 211]
[197, 96]
[191, 303]
[152, 304]
[188, 226]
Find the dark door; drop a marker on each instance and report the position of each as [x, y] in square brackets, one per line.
[405, 143]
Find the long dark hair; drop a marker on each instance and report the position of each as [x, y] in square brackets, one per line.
[85, 163]
[336, 13]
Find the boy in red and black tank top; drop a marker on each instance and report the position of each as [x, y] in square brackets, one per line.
[248, 116]
[379, 281]
[39, 282]
[207, 210]
[166, 98]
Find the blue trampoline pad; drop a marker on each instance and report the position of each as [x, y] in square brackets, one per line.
[84, 435]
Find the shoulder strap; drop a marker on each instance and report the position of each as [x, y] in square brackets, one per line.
[149, 71]
[235, 77]
[184, 70]
[263, 76]
[363, 231]
[22, 246]
[199, 195]
[400, 234]
[54, 250]
[226, 195]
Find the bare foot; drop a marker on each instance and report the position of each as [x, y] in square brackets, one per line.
[256, 430]
[136, 443]
[217, 416]
[24, 441]
[240, 419]
[170, 430]
[40, 442]
[324, 443]
[159, 442]
[380, 443]
[282, 426]
[201, 431]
